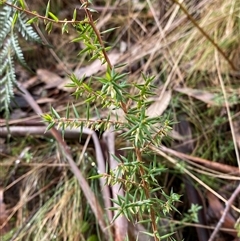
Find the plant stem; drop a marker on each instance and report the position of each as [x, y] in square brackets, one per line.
[124, 108]
[146, 190]
[35, 14]
[91, 22]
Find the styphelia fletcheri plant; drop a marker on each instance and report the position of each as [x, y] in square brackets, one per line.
[141, 201]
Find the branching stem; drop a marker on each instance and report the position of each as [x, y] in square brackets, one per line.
[146, 190]
[91, 22]
[35, 14]
[124, 108]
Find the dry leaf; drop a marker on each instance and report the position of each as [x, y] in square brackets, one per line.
[204, 96]
[159, 105]
[51, 79]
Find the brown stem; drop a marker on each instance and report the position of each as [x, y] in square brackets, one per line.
[124, 108]
[146, 190]
[91, 22]
[42, 17]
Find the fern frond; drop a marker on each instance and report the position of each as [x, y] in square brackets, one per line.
[5, 51]
[5, 14]
[8, 79]
[12, 23]
[9, 87]
[11, 74]
[3, 68]
[26, 30]
[6, 92]
[5, 27]
[17, 50]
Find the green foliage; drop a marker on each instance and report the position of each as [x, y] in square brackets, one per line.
[137, 127]
[192, 214]
[12, 24]
[140, 130]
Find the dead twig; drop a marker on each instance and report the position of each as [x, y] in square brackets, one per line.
[213, 165]
[225, 212]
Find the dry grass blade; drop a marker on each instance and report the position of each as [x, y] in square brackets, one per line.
[93, 202]
[183, 169]
[228, 110]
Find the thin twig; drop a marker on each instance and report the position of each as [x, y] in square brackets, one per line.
[35, 14]
[147, 193]
[210, 164]
[225, 212]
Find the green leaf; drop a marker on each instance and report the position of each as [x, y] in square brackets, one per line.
[54, 112]
[97, 113]
[92, 10]
[22, 4]
[109, 30]
[88, 111]
[84, 227]
[48, 27]
[54, 17]
[63, 129]
[74, 14]
[90, 99]
[108, 48]
[96, 176]
[67, 112]
[65, 28]
[118, 214]
[167, 235]
[93, 238]
[149, 234]
[15, 17]
[75, 112]
[50, 126]
[47, 9]
[32, 20]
